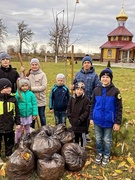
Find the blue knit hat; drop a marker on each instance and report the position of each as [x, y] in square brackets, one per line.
[4, 56]
[107, 72]
[87, 58]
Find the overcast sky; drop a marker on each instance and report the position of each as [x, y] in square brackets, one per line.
[94, 19]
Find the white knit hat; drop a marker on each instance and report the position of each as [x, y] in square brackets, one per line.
[22, 81]
[60, 75]
[35, 60]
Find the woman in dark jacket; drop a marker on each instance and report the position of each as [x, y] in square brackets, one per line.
[78, 113]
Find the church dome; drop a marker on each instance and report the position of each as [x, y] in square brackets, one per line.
[122, 16]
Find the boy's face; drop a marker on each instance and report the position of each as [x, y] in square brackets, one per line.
[86, 65]
[60, 81]
[34, 67]
[106, 80]
[5, 63]
[79, 91]
[6, 90]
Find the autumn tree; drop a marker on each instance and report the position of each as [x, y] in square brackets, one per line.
[25, 34]
[34, 47]
[42, 49]
[58, 37]
[3, 32]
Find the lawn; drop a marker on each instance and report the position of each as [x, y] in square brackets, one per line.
[122, 164]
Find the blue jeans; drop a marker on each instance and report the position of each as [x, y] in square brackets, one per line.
[103, 140]
[41, 113]
[60, 117]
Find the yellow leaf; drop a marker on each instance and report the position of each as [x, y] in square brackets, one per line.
[130, 160]
[2, 170]
[94, 166]
[118, 171]
[87, 176]
[69, 175]
[123, 163]
[88, 162]
[25, 156]
[119, 144]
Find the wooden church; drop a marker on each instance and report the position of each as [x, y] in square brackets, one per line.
[119, 47]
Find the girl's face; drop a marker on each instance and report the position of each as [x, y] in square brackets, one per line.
[24, 87]
[5, 63]
[105, 80]
[79, 92]
[34, 67]
[60, 81]
[6, 90]
[86, 65]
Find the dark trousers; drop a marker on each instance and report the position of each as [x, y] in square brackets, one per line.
[80, 137]
[9, 142]
[41, 113]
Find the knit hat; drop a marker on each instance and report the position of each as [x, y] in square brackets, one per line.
[60, 75]
[4, 56]
[80, 85]
[107, 72]
[23, 81]
[35, 60]
[87, 58]
[4, 83]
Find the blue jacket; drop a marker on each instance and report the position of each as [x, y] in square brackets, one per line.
[106, 107]
[27, 104]
[59, 97]
[89, 78]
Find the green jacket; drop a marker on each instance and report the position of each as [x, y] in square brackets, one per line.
[27, 103]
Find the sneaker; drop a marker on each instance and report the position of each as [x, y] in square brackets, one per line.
[98, 158]
[88, 138]
[1, 162]
[105, 160]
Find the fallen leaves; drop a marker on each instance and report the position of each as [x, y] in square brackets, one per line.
[2, 170]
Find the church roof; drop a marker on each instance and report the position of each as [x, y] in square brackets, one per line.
[120, 31]
[128, 46]
[114, 44]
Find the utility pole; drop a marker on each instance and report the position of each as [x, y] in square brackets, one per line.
[69, 29]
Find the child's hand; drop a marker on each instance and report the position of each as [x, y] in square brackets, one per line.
[71, 87]
[22, 69]
[116, 127]
[18, 127]
[51, 111]
[33, 117]
[91, 122]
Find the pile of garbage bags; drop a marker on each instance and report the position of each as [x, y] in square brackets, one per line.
[47, 151]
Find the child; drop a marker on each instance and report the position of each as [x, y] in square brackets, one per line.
[7, 71]
[27, 105]
[107, 115]
[78, 113]
[59, 97]
[9, 115]
[38, 82]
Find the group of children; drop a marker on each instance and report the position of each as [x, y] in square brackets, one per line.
[103, 107]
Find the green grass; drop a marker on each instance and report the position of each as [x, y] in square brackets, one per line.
[123, 79]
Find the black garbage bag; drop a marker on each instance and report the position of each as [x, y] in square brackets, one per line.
[49, 130]
[44, 146]
[51, 168]
[74, 156]
[64, 134]
[26, 140]
[20, 165]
